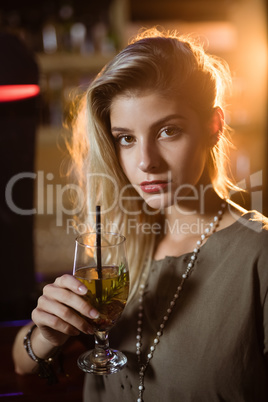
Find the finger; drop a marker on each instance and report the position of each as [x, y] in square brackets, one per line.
[63, 316]
[70, 299]
[47, 323]
[70, 282]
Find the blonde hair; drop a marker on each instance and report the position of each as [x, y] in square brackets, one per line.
[169, 64]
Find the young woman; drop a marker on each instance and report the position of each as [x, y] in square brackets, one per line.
[153, 152]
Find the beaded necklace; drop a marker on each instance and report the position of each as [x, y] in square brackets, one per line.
[143, 366]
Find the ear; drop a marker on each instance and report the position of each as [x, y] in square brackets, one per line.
[215, 126]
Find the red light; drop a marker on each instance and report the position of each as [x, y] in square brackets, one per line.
[9, 93]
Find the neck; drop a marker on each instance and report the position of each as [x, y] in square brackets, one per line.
[203, 203]
[184, 226]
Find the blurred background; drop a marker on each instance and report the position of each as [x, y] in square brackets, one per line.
[63, 44]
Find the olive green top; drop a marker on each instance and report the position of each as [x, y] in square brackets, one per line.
[215, 344]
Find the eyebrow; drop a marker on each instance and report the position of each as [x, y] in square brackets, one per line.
[156, 124]
[167, 118]
[120, 129]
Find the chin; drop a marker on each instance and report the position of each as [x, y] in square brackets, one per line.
[157, 202]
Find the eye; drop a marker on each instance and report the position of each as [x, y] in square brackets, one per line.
[170, 131]
[124, 140]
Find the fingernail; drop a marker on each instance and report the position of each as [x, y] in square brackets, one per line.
[82, 289]
[94, 314]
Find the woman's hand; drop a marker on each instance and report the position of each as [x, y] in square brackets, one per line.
[57, 312]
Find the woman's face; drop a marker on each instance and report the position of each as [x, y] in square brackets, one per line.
[161, 146]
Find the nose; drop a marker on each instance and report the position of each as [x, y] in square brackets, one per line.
[149, 158]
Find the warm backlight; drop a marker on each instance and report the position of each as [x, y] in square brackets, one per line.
[10, 93]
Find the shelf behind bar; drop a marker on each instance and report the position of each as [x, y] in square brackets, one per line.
[70, 62]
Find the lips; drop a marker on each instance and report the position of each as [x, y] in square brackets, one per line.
[154, 186]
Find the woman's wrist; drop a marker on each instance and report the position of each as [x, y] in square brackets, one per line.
[37, 347]
[45, 363]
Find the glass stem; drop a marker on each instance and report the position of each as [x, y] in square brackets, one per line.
[102, 343]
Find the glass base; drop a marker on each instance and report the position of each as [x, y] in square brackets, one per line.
[102, 361]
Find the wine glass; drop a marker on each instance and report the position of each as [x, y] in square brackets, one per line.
[100, 263]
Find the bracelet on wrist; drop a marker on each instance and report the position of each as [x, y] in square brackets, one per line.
[45, 368]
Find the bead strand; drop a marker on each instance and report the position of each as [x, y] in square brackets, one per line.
[143, 366]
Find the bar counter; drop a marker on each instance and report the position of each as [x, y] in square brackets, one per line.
[31, 388]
